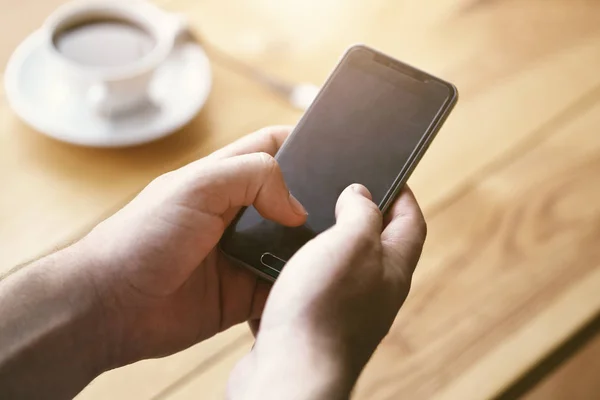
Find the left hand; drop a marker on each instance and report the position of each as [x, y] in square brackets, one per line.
[163, 284]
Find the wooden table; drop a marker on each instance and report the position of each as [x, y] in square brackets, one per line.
[510, 188]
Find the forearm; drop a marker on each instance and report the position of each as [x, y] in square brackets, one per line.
[52, 336]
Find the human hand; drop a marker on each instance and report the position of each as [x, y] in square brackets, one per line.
[163, 284]
[334, 302]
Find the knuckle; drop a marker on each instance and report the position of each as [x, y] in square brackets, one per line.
[266, 160]
[365, 242]
[268, 164]
[372, 211]
[161, 181]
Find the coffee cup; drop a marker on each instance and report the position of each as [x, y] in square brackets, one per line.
[110, 50]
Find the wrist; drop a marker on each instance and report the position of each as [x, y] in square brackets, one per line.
[298, 363]
[96, 280]
[93, 324]
[92, 320]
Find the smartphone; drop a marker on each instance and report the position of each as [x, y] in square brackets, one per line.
[370, 124]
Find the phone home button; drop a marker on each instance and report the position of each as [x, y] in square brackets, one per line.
[273, 262]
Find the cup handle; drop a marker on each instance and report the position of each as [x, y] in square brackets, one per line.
[179, 27]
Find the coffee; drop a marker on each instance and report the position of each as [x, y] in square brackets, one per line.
[104, 42]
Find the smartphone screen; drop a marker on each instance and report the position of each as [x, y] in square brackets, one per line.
[368, 125]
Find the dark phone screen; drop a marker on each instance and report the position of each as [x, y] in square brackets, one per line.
[363, 128]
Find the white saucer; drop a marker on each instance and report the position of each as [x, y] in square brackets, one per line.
[56, 108]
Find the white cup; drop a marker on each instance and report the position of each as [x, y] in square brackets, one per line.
[113, 91]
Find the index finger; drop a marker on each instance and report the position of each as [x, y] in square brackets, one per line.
[242, 181]
[267, 140]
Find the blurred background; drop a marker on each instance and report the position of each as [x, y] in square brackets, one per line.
[506, 300]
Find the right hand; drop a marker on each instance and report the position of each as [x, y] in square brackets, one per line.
[334, 302]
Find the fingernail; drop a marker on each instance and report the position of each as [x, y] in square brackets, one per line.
[297, 206]
[363, 191]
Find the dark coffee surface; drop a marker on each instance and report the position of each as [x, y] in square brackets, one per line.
[104, 43]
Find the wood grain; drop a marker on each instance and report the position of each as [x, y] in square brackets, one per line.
[576, 378]
[154, 379]
[529, 233]
[511, 265]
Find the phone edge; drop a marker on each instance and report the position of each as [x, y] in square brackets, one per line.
[421, 148]
[402, 177]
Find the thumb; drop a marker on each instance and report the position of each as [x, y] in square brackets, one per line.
[356, 211]
[251, 179]
[333, 256]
